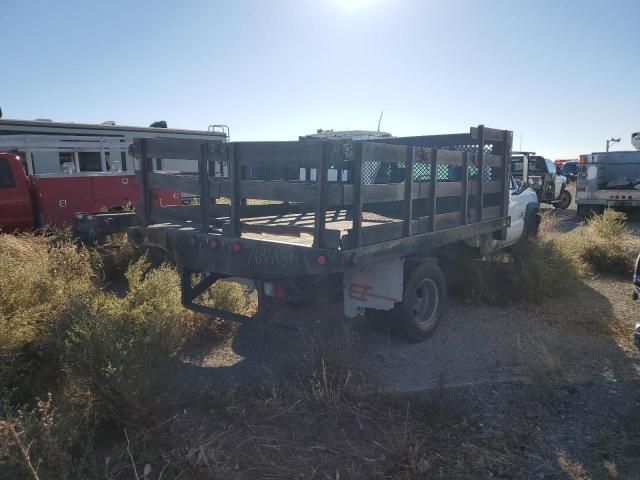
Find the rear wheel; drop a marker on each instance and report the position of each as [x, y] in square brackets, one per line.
[423, 302]
[565, 200]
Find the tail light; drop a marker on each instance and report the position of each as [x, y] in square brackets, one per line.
[281, 293]
[583, 159]
[236, 247]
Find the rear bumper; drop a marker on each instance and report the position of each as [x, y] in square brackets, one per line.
[238, 257]
[613, 203]
[94, 226]
[262, 259]
[609, 198]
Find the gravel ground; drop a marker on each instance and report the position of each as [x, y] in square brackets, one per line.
[560, 381]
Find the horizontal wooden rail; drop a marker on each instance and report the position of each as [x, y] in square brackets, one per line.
[393, 230]
[302, 192]
[382, 152]
[279, 154]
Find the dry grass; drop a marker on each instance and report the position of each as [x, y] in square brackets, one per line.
[105, 357]
[550, 266]
[307, 430]
[603, 245]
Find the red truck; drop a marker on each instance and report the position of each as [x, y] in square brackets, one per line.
[57, 200]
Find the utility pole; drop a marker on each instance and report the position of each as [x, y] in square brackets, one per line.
[612, 140]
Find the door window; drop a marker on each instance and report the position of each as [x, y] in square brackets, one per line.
[6, 176]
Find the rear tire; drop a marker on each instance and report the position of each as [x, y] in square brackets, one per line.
[565, 200]
[424, 300]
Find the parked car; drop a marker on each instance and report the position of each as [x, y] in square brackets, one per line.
[570, 170]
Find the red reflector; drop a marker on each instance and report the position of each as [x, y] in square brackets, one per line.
[193, 241]
[213, 243]
[236, 247]
[281, 293]
[322, 260]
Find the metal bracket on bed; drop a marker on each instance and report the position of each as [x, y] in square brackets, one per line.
[191, 292]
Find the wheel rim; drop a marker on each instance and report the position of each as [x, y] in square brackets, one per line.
[425, 303]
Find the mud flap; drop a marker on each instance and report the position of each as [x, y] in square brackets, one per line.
[378, 286]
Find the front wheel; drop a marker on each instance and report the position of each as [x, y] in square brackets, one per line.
[424, 300]
[565, 200]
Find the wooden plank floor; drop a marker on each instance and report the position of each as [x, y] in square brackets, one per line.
[335, 220]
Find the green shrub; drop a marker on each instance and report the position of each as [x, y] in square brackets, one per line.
[122, 349]
[111, 261]
[58, 329]
[532, 271]
[42, 280]
[541, 270]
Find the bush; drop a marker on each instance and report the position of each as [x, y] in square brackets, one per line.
[58, 328]
[111, 260]
[122, 349]
[604, 245]
[46, 442]
[42, 280]
[541, 270]
[531, 272]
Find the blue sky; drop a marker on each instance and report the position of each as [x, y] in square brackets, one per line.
[564, 75]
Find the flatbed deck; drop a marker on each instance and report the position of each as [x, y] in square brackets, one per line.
[273, 210]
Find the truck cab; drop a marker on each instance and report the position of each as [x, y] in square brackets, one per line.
[16, 207]
[541, 175]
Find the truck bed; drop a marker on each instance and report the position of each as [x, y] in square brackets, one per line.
[284, 209]
[340, 220]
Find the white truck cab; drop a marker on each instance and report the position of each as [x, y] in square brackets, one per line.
[542, 176]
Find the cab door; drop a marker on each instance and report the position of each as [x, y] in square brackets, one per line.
[15, 201]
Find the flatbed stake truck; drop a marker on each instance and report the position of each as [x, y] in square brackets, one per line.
[394, 207]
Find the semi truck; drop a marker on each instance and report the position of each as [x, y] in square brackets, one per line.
[608, 180]
[383, 239]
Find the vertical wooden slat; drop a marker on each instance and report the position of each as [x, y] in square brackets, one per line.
[205, 198]
[465, 188]
[235, 194]
[480, 171]
[146, 166]
[321, 196]
[433, 156]
[408, 192]
[506, 170]
[358, 159]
